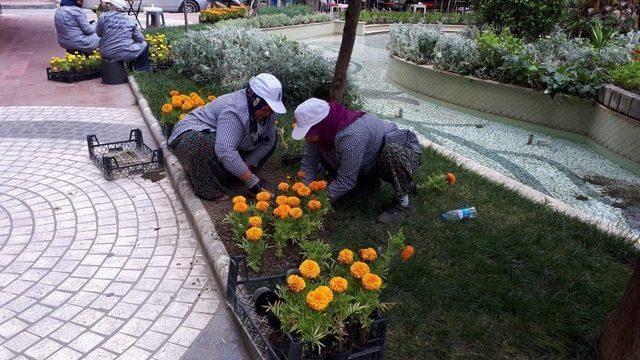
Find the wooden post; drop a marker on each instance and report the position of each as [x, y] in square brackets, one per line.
[346, 49]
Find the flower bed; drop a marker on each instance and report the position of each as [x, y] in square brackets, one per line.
[217, 14]
[392, 17]
[177, 106]
[159, 51]
[276, 20]
[74, 67]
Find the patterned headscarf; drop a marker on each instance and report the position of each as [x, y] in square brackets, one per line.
[255, 103]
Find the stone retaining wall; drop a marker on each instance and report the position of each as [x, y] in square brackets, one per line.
[307, 31]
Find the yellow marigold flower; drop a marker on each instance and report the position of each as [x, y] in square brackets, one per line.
[187, 105]
[282, 211]
[314, 204]
[263, 196]
[281, 200]
[368, 254]
[193, 94]
[283, 186]
[199, 102]
[293, 201]
[176, 102]
[295, 213]
[255, 221]
[237, 199]
[240, 207]
[318, 185]
[174, 92]
[316, 300]
[300, 174]
[254, 234]
[345, 257]
[181, 116]
[304, 191]
[326, 291]
[451, 178]
[371, 281]
[338, 284]
[211, 97]
[297, 186]
[310, 269]
[166, 108]
[262, 206]
[407, 252]
[359, 269]
[295, 283]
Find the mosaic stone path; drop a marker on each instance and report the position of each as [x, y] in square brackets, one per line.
[554, 166]
[93, 268]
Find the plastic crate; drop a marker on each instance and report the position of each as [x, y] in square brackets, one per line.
[124, 158]
[69, 77]
[240, 288]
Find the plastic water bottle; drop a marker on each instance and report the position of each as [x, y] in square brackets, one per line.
[458, 214]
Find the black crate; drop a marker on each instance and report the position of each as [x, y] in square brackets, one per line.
[123, 158]
[155, 67]
[240, 289]
[69, 77]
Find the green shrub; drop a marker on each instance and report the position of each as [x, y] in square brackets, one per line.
[391, 17]
[529, 18]
[276, 20]
[627, 76]
[292, 10]
[455, 53]
[492, 49]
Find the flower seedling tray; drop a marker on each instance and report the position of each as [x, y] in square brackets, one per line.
[155, 67]
[71, 77]
[240, 291]
[123, 158]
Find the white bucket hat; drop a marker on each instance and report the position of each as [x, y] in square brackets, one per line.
[269, 88]
[121, 4]
[307, 114]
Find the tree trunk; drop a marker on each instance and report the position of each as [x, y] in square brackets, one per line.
[346, 48]
[619, 337]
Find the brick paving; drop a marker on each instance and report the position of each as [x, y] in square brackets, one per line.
[90, 268]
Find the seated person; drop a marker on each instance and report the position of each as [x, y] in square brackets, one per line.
[120, 38]
[230, 137]
[357, 147]
[75, 33]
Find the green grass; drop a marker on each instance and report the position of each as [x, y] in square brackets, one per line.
[519, 281]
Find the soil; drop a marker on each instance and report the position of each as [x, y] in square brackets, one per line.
[154, 175]
[626, 193]
[271, 174]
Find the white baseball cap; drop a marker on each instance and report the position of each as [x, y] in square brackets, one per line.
[269, 88]
[307, 114]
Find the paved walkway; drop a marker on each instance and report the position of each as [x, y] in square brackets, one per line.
[91, 268]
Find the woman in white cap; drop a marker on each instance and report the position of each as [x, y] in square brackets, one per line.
[231, 137]
[120, 38]
[357, 148]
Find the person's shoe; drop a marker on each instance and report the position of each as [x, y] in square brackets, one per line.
[396, 214]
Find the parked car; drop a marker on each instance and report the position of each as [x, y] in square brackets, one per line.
[193, 6]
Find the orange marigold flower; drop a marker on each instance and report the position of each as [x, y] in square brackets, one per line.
[293, 201]
[314, 204]
[237, 199]
[338, 284]
[262, 206]
[304, 191]
[240, 207]
[166, 108]
[282, 211]
[371, 281]
[199, 102]
[255, 221]
[187, 105]
[176, 102]
[326, 291]
[193, 94]
[359, 269]
[211, 97]
[297, 186]
[283, 186]
[407, 252]
[253, 234]
[281, 200]
[309, 269]
[295, 283]
[174, 92]
[300, 174]
[295, 213]
[345, 257]
[451, 178]
[316, 300]
[368, 254]
[318, 185]
[263, 196]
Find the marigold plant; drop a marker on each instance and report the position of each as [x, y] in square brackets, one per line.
[407, 252]
[76, 62]
[368, 254]
[281, 200]
[240, 207]
[345, 257]
[338, 284]
[263, 196]
[371, 281]
[262, 206]
[238, 199]
[181, 105]
[254, 234]
[309, 269]
[296, 283]
[359, 269]
[283, 186]
[255, 221]
[293, 201]
[296, 213]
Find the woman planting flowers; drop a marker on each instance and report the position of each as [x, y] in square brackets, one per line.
[352, 145]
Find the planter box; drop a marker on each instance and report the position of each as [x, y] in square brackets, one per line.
[68, 77]
[239, 294]
[608, 132]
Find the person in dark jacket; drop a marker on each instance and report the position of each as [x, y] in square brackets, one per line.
[357, 148]
[75, 33]
[120, 38]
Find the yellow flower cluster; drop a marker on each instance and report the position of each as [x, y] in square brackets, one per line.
[319, 298]
[217, 14]
[76, 62]
[282, 211]
[179, 105]
[159, 48]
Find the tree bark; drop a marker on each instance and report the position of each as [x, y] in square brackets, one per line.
[619, 337]
[346, 49]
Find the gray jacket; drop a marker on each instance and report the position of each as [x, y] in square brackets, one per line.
[74, 30]
[120, 38]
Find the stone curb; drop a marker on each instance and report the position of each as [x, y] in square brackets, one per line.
[528, 192]
[205, 229]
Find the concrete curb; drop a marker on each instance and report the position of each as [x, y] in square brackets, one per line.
[213, 247]
[528, 192]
